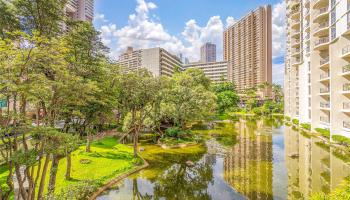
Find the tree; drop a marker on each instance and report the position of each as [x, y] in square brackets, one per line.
[46, 17]
[187, 97]
[137, 94]
[227, 97]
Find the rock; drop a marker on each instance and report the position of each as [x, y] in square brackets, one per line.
[142, 149]
[189, 163]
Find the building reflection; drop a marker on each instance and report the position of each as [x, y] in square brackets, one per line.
[312, 165]
[248, 165]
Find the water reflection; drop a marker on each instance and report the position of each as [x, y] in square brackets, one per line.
[248, 166]
[249, 158]
[317, 167]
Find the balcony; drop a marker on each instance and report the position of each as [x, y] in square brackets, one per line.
[322, 29]
[296, 24]
[324, 62]
[320, 3]
[324, 120]
[324, 77]
[346, 88]
[296, 52]
[322, 43]
[295, 13]
[346, 107]
[347, 32]
[346, 52]
[346, 70]
[346, 125]
[296, 34]
[296, 43]
[321, 14]
[325, 105]
[324, 91]
[296, 61]
[307, 3]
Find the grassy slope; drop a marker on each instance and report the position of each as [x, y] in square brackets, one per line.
[107, 160]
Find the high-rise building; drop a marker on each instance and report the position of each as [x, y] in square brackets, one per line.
[208, 53]
[248, 49]
[156, 60]
[317, 72]
[215, 71]
[80, 10]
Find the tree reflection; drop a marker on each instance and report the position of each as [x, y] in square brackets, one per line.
[181, 182]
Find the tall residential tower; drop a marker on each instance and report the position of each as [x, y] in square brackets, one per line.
[208, 53]
[317, 72]
[248, 49]
[82, 10]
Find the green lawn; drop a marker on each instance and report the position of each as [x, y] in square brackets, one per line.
[107, 160]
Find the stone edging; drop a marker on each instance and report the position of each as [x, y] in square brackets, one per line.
[164, 146]
[117, 179]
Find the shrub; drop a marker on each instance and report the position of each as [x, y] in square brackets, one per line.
[324, 132]
[306, 126]
[295, 121]
[257, 111]
[341, 139]
[287, 118]
[79, 191]
[176, 132]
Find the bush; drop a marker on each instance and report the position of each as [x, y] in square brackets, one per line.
[257, 111]
[295, 121]
[177, 132]
[341, 139]
[324, 132]
[79, 191]
[342, 192]
[287, 118]
[306, 126]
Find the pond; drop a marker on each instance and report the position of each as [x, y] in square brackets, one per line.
[245, 158]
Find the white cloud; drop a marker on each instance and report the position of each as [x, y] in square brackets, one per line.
[230, 21]
[100, 17]
[278, 73]
[279, 29]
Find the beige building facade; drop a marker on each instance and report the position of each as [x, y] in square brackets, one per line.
[215, 71]
[248, 49]
[156, 60]
[82, 10]
[317, 72]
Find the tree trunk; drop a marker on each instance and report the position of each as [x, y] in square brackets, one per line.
[69, 164]
[53, 173]
[43, 176]
[135, 139]
[88, 144]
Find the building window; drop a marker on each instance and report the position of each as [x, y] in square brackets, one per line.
[309, 114]
[333, 3]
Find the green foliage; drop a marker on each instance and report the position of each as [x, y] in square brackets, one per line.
[177, 132]
[295, 121]
[324, 132]
[287, 118]
[186, 97]
[227, 97]
[306, 126]
[78, 191]
[341, 139]
[342, 192]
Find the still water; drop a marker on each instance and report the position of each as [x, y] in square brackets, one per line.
[246, 158]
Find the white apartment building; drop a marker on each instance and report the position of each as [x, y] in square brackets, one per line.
[215, 71]
[156, 60]
[317, 72]
[80, 10]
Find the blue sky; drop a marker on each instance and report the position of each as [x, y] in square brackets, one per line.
[181, 26]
